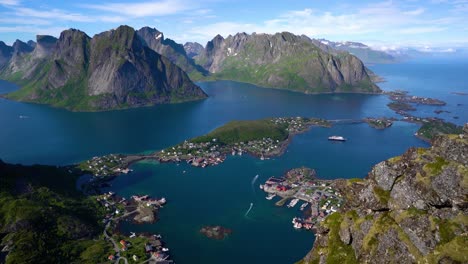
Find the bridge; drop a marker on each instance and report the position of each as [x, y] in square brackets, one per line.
[346, 121]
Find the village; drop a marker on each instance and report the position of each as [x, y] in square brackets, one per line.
[212, 153]
[138, 247]
[319, 198]
[105, 165]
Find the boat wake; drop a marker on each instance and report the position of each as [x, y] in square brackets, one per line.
[250, 208]
[253, 182]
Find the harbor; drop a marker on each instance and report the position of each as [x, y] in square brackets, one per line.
[318, 198]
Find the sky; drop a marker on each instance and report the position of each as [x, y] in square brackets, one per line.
[424, 24]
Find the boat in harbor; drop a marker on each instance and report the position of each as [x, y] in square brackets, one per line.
[270, 196]
[303, 206]
[337, 138]
[293, 203]
[261, 187]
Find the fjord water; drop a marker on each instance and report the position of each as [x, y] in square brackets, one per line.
[222, 195]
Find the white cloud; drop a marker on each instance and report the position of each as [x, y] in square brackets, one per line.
[421, 30]
[144, 9]
[55, 14]
[10, 2]
[388, 20]
[53, 31]
[415, 12]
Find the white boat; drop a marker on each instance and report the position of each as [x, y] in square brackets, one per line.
[261, 187]
[293, 203]
[270, 196]
[303, 206]
[337, 138]
[165, 249]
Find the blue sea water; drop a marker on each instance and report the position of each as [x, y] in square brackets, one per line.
[222, 195]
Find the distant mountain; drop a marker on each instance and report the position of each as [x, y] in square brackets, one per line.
[284, 61]
[193, 49]
[112, 70]
[360, 50]
[31, 43]
[175, 52]
[5, 53]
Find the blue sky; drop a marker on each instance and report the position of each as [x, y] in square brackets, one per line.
[383, 24]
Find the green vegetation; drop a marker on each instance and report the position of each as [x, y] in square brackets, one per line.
[382, 195]
[243, 131]
[435, 168]
[433, 128]
[400, 106]
[337, 251]
[46, 220]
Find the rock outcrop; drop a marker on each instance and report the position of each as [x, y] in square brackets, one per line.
[285, 61]
[193, 49]
[410, 209]
[112, 70]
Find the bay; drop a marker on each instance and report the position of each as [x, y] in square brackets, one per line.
[221, 195]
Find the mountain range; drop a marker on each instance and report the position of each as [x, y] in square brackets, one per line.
[285, 61]
[124, 68]
[112, 70]
[360, 50]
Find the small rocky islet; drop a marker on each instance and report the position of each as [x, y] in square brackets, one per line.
[215, 232]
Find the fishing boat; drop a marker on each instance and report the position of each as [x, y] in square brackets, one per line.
[303, 206]
[270, 196]
[293, 203]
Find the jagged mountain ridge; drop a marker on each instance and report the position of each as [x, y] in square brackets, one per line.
[410, 209]
[112, 70]
[175, 52]
[284, 61]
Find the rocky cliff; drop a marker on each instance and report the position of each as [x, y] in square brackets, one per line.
[286, 61]
[5, 53]
[410, 209]
[112, 70]
[154, 39]
[193, 49]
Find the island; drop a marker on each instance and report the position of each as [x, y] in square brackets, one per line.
[215, 232]
[260, 138]
[379, 123]
[401, 107]
[404, 97]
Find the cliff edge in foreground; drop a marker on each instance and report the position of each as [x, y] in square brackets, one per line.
[409, 209]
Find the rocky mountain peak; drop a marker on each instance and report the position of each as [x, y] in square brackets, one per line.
[193, 49]
[44, 46]
[21, 47]
[5, 53]
[31, 43]
[112, 70]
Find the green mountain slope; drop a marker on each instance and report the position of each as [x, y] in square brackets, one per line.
[284, 61]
